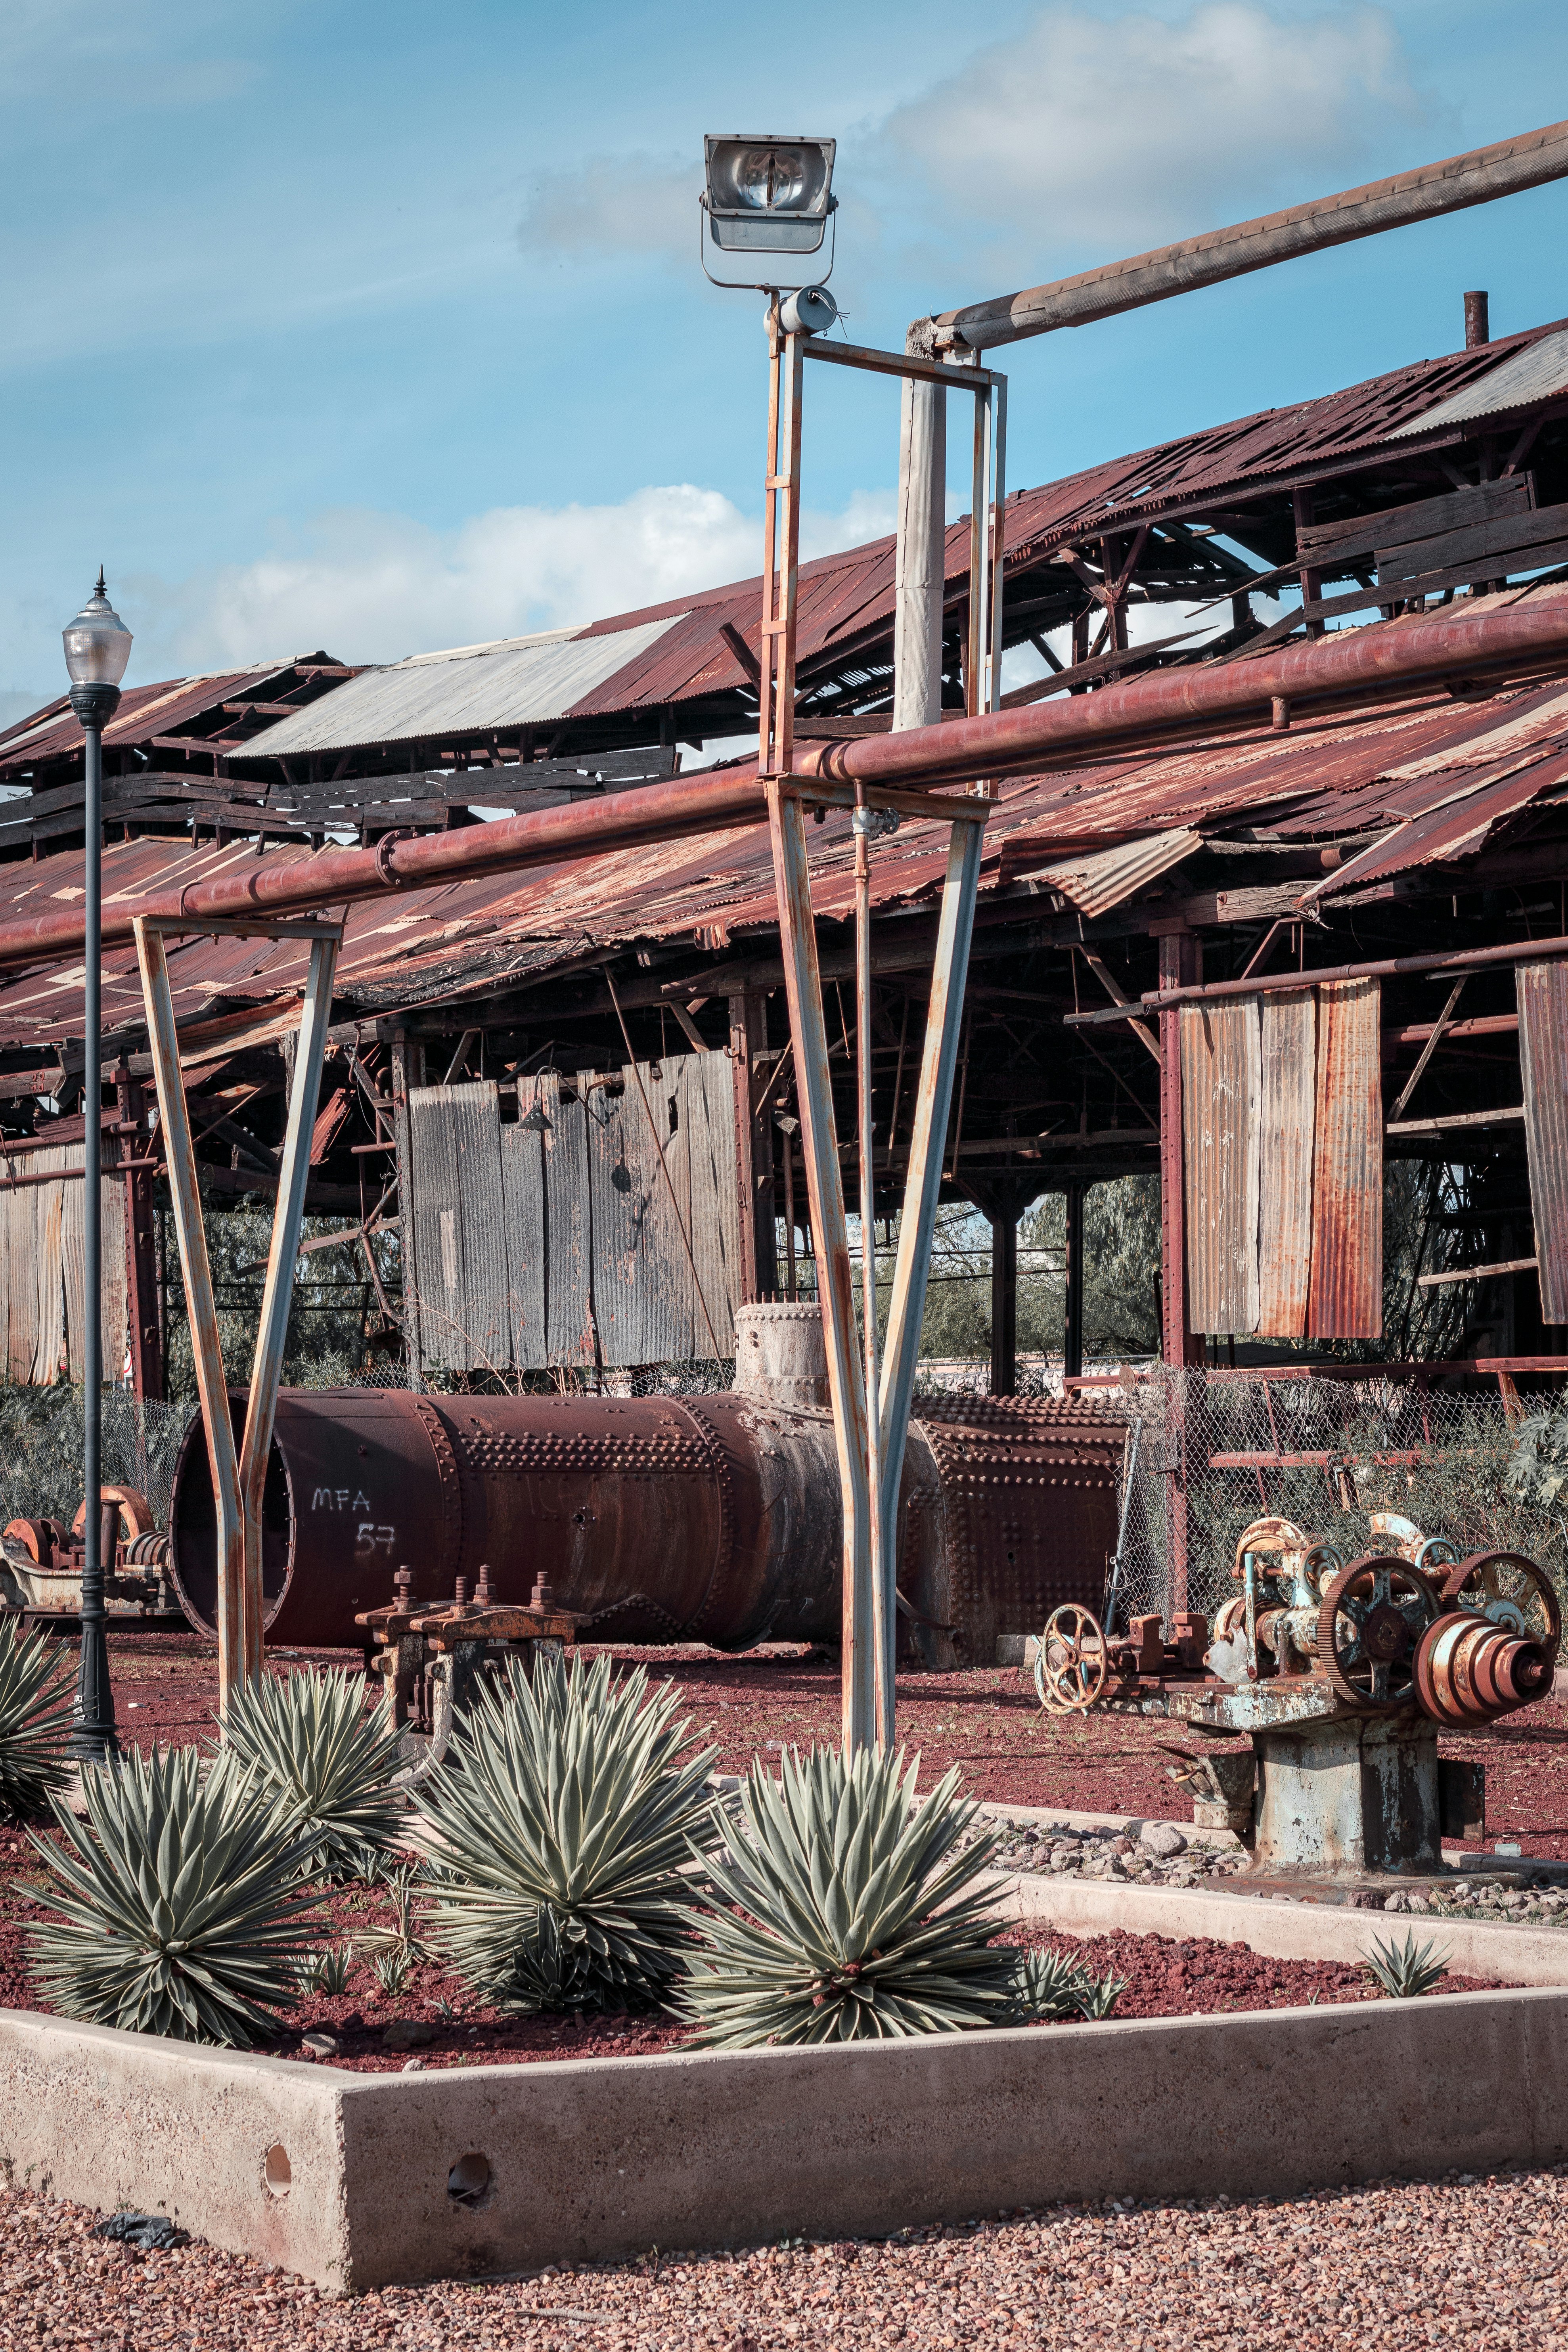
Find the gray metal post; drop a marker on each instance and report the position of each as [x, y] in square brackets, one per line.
[920, 560]
[92, 1737]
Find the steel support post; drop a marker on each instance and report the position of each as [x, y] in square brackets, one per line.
[1181, 958]
[1072, 1304]
[278, 1291]
[145, 1331]
[239, 1475]
[919, 563]
[922, 1181]
[834, 1280]
[753, 1150]
[190, 1233]
[1005, 1297]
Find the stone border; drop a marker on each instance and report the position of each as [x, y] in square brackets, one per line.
[1284, 1930]
[360, 2180]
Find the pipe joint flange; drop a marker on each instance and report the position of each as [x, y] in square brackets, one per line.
[386, 873]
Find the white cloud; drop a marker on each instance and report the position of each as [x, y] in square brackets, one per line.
[613, 204]
[371, 587]
[1120, 131]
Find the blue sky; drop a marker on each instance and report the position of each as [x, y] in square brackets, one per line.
[382, 329]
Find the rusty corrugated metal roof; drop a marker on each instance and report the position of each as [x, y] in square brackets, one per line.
[1384, 768]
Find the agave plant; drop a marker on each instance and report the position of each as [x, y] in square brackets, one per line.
[844, 1911]
[179, 1903]
[1404, 1971]
[34, 1713]
[327, 1763]
[560, 1826]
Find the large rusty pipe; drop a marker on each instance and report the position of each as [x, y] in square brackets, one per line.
[1337, 672]
[1478, 177]
[714, 1519]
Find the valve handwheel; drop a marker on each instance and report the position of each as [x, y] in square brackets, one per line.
[1070, 1660]
[1373, 1614]
[1509, 1590]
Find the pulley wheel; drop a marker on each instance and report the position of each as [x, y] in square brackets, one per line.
[1373, 1614]
[1509, 1591]
[1070, 1660]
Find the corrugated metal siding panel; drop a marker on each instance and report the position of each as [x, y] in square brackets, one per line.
[21, 1279]
[1289, 1038]
[474, 1111]
[1097, 880]
[1220, 1091]
[1542, 996]
[1346, 1295]
[437, 1236]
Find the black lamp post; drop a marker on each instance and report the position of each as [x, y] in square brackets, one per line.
[98, 646]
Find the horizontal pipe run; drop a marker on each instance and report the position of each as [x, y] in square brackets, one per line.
[1355, 667]
[1389, 968]
[1478, 177]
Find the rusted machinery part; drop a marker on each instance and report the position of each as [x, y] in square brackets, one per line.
[151, 1550]
[1372, 1615]
[1321, 1564]
[1469, 1672]
[137, 1517]
[715, 1518]
[38, 1540]
[1070, 1660]
[1510, 1592]
[1272, 1535]
[1437, 1555]
[1230, 1616]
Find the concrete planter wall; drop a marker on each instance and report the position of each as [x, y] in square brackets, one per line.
[359, 2180]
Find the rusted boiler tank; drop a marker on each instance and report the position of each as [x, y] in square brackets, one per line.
[712, 1519]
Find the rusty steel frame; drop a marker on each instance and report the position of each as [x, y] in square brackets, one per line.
[238, 1479]
[870, 1399]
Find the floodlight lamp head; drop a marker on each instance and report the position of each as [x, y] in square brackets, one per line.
[766, 193]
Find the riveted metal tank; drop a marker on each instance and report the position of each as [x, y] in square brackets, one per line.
[712, 1519]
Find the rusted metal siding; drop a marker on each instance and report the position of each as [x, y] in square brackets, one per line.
[1221, 1083]
[1288, 1059]
[1346, 1292]
[1542, 996]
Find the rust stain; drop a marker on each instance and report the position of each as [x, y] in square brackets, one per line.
[1542, 997]
[1346, 1293]
[1220, 1098]
[1285, 1163]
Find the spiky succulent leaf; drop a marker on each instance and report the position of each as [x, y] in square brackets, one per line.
[1049, 1984]
[844, 1911]
[328, 1763]
[560, 1825]
[1404, 1971]
[34, 1719]
[179, 1903]
[1100, 1995]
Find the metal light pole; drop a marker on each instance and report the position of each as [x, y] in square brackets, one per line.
[98, 646]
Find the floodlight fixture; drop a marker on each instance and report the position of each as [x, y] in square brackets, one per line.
[765, 194]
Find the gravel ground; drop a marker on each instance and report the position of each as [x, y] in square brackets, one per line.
[987, 1722]
[1399, 2264]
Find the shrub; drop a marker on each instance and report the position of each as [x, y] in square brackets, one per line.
[34, 1719]
[1404, 1971]
[327, 1763]
[180, 1906]
[560, 1824]
[844, 1911]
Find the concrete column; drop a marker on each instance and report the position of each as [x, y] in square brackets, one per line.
[918, 563]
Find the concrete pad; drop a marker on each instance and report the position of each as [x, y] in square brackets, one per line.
[1283, 1930]
[466, 2171]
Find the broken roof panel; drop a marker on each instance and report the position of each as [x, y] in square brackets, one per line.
[1535, 371]
[517, 681]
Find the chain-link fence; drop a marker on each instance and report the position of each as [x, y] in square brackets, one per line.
[1209, 1453]
[41, 1433]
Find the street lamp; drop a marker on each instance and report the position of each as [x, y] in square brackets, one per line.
[98, 646]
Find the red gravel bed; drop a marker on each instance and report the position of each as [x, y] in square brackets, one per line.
[986, 1722]
[1398, 2265]
[1194, 1977]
